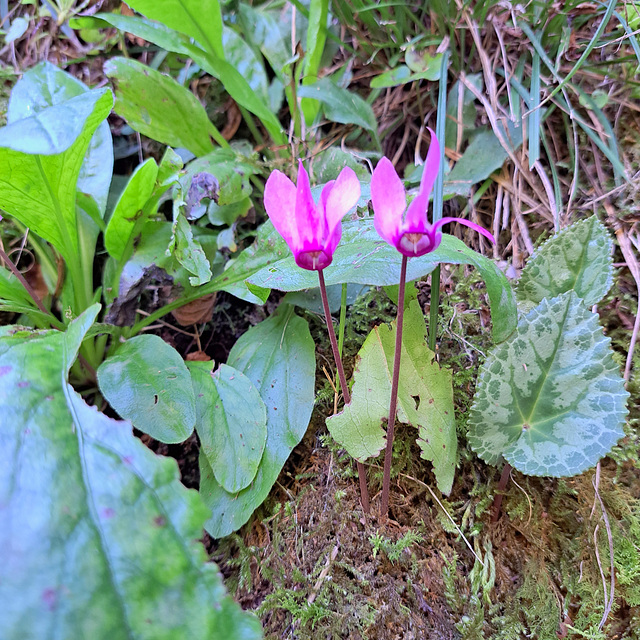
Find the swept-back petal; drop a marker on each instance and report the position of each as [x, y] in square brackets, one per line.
[310, 226]
[467, 223]
[431, 165]
[343, 195]
[389, 200]
[280, 203]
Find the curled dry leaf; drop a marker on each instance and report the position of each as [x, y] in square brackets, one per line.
[199, 310]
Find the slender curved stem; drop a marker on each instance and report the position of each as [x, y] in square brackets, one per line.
[362, 477]
[388, 454]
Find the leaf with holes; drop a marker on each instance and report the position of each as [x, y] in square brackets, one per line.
[147, 382]
[425, 398]
[278, 356]
[97, 534]
[550, 399]
[231, 423]
[578, 258]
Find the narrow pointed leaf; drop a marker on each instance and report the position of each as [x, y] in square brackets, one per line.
[278, 356]
[578, 258]
[147, 382]
[231, 423]
[550, 399]
[425, 398]
[97, 535]
[130, 209]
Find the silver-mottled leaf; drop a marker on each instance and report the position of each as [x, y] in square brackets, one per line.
[550, 399]
[578, 258]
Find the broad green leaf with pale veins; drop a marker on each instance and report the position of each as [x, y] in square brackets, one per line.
[146, 381]
[578, 258]
[425, 398]
[550, 399]
[97, 535]
[231, 423]
[278, 356]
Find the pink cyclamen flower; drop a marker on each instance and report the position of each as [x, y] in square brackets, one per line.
[410, 232]
[311, 230]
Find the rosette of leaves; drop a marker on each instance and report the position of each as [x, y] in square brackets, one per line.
[550, 399]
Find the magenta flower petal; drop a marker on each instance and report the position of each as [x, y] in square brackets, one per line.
[389, 200]
[343, 195]
[280, 204]
[431, 164]
[311, 227]
[467, 223]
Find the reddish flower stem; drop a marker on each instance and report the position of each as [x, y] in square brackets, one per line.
[386, 477]
[502, 485]
[362, 477]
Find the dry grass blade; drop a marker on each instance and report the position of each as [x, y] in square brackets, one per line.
[634, 267]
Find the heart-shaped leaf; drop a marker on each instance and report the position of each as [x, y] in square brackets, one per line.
[97, 535]
[278, 356]
[147, 382]
[578, 258]
[425, 398]
[550, 399]
[231, 423]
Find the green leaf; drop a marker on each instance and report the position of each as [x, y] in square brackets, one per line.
[241, 56]
[45, 86]
[482, 157]
[189, 252]
[363, 258]
[578, 258]
[231, 172]
[130, 212]
[40, 160]
[158, 107]
[198, 19]
[278, 356]
[422, 62]
[98, 534]
[233, 81]
[341, 105]
[147, 382]
[425, 398]
[262, 29]
[551, 399]
[231, 423]
[468, 113]
[16, 30]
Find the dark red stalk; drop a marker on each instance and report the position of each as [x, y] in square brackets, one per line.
[362, 477]
[386, 477]
[502, 485]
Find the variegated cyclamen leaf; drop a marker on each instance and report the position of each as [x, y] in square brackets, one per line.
[550, 399]
[578, 258]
